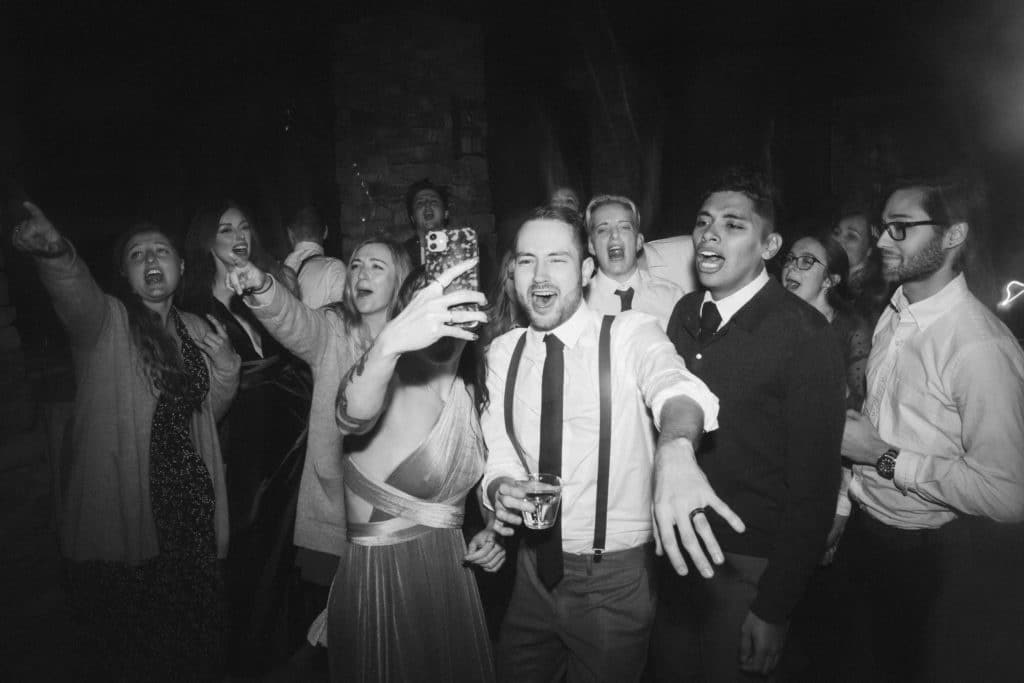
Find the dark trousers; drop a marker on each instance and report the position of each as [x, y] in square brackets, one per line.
[697, 630]
[594, 625]
[941, 604]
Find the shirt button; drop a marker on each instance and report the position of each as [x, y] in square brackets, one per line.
[698, 356]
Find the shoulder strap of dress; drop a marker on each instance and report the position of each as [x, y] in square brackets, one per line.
[398, 503]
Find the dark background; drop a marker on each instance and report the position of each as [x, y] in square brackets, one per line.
[111, 113]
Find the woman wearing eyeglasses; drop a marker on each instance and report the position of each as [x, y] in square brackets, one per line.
[816, 270]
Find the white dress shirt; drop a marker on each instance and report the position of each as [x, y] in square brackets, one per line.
[946, 387]
[672, 259]
[650, 295]
[322, 280]
[645, 373]
[729, 305]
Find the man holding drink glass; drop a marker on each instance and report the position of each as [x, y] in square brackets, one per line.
[583, 601]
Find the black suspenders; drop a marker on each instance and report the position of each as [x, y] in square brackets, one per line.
[605, 433]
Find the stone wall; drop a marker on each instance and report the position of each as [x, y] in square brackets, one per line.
[409, 103]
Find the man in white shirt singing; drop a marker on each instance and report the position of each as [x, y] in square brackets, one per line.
[583, 602]
[939, 471]
[614, 240]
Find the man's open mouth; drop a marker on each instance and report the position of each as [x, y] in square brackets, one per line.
[709, 261]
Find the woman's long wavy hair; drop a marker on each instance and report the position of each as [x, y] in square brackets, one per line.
[346, 309]
[837, 263]
[472, 367]
[197, 286]
[158, 350]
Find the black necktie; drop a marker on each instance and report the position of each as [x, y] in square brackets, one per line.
[625, 298]
[710, 319]
[549, 551]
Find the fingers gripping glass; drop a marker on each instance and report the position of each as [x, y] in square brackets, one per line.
[898, 229]
[802, 262]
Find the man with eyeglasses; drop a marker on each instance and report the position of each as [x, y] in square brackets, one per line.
[773, 362]
[938, 475]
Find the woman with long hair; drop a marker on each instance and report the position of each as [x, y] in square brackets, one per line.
[145, 516]
[262, 436]
[330, 339]
[404, 605]
[867, 289]
[816, 270]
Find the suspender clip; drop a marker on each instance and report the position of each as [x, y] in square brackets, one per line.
[598, 554]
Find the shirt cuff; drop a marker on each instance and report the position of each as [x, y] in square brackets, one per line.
[905, 476]
[707, 401]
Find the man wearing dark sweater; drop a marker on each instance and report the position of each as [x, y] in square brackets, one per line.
[775, 459]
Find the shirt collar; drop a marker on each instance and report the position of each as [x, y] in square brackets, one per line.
[927, 311]
[606, 284]
[568, 332]
[728, 306]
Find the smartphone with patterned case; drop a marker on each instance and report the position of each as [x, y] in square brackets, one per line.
[449, 247]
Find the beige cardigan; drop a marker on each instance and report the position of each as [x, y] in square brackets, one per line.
[319, 338]
[108, 514]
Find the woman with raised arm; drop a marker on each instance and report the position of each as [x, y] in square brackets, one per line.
[262, 436]
[330, 340]
[404, 605]
[145, 516]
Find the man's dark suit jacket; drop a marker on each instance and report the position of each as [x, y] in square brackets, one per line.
[778, 373]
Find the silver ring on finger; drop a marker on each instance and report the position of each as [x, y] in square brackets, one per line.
[697, 511]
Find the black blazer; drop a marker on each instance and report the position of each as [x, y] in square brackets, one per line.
[778, 374]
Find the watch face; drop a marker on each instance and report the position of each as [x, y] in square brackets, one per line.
[886, 466]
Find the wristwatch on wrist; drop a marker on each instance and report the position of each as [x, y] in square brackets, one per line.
[886, 463]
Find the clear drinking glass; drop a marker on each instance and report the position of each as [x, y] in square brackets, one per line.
[545, 492]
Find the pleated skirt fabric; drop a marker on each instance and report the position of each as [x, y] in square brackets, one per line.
[408, 612]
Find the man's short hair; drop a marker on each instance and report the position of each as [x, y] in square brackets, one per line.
[562, 214]
[307, 225]
[603, 199]
[419, 186]
[752, 183]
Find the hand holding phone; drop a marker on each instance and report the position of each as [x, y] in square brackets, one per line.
[449, 247]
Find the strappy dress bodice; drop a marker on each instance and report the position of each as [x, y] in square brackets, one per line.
[427, 489]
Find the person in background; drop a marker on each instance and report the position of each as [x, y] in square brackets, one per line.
[614, 239]
[330, 340]
[404, 604]
[263, 437]
[815, 269]
[565, 197]
[934, 544]
[777, 371]
[856, 231]
[427, 207]
[146, 518]
[321, 278]
[672, 259]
